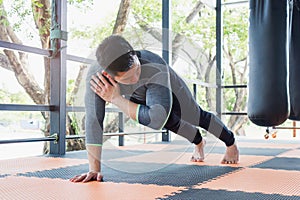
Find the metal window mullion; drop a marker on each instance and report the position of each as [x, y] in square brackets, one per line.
[195, 91]
[58, 85]
[166, 43]
[121, 128]
[235, 3]
[23, 48]
[24, 107]
[219, 44]
[166, 26]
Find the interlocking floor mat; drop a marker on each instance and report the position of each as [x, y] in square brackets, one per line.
[267, 170]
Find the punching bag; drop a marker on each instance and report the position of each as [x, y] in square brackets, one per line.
[294, 60]
[268, 103]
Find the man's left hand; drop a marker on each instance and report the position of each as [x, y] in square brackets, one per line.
[105, 87]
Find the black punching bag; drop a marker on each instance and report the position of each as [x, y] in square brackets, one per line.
[268, 103]
[294, 59]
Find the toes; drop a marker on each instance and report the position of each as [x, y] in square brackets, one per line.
[224, 161]
[194, 159]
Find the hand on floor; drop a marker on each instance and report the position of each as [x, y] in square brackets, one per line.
[90, 176]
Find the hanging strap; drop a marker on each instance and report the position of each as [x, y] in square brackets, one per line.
[56, 33]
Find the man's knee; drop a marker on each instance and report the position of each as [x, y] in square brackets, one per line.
[205, 118]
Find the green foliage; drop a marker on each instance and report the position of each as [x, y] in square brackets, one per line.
[236, 31]
[148, 10]
[74, 123]
[19, 11]
[96, 35]
[20, 14]
[202, 32]
[236, 42]
[37, 4]
[229, 97]
[19, 17]
[3, 97]
[14, 98]
[3, 20]
[70, 87]
[81, 4]
[201, 29]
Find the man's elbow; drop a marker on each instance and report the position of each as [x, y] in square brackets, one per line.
[157, 124]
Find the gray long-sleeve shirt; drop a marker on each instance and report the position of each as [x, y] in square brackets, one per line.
[154, 93]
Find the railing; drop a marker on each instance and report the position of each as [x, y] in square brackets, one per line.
[233, 87]
[58, 108]
[55, 136]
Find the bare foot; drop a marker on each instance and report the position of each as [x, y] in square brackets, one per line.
[198, 154]
[231, 155]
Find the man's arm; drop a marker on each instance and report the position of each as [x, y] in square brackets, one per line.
[110, 92]
[158, 100]
[128, 107]
[95, 111]
[94, 174]
[94, 157]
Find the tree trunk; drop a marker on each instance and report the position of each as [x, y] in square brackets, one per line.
[119, 28]
[208, 92]
[42, 19]
[18, 62]
[77, 84]
[4, 62]
[122, 17]
[179, 37]
[235, 122]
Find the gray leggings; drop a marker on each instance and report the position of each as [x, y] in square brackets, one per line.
[185, 117]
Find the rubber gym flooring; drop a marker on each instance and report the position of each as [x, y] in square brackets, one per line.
[268, 169]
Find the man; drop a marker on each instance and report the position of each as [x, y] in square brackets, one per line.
[144, 87]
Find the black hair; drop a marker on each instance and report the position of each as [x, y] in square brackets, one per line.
[115, 54]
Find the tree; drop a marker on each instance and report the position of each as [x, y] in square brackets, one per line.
[196, 28]
[18, 62]
[235, 53]
[194, 39]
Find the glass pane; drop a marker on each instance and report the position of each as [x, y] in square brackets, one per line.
[88, 24]
[21, 25]
[23, 82]
[235, 64]
[194, 39]
[21, 125]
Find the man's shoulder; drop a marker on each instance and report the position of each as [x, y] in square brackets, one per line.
[144, 52]
[150, 57]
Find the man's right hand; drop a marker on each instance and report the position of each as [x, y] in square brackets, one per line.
[86, 177]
